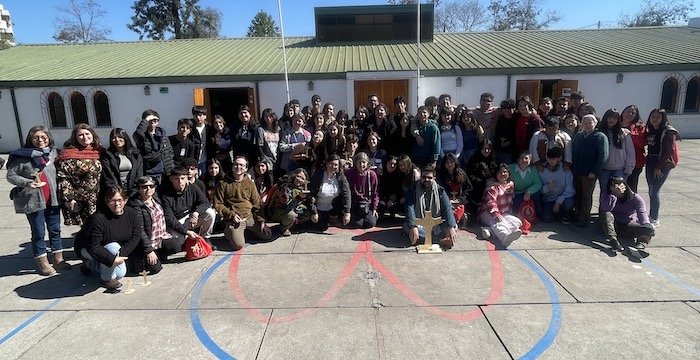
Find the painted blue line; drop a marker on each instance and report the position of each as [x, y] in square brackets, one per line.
[555, 323]
[672, 278]
[202, 334]
[26, 323]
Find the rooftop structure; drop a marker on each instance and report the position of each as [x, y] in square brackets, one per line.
[6, 32]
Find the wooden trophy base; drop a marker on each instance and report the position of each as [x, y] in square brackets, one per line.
[429, 249]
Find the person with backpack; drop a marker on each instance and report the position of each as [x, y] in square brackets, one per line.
[661, 158]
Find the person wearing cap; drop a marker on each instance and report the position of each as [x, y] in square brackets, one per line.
[201, 135]
[548, 138]
[427, 198]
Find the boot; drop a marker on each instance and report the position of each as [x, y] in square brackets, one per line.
[59, 264]
[45, 268]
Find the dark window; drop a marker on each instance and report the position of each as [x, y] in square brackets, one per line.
[692, 96]
[102, 116]
[57, 112]
[669, 93]
[78, 108]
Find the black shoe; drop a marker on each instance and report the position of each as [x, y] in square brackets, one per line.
[615, 244]
[85, 270]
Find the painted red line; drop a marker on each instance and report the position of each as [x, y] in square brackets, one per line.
[364, 250]
[330, 294]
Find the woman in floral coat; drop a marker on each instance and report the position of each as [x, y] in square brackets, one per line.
[79, 172]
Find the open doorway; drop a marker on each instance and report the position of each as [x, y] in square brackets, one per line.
[226, 102]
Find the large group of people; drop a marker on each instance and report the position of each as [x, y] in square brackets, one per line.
[313, 168]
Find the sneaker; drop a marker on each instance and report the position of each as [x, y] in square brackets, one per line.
[642, 242]
[447, 243]
[565, 220]
[484, 233]
[655, 223]
[615, 244]
[287, 233]
[515, 235]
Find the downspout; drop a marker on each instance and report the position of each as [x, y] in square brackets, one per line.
[508, 86]
[14, 107]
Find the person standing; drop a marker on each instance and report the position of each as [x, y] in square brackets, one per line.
[153, 144]
[200, 136]
[589, 151]
[122, 164]
[33, 172]
[661, 140]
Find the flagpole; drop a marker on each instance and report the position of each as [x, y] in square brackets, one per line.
[284, 49]
[418, 54]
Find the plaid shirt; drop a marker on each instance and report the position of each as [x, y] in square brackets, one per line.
[497, 200]
[158, 230]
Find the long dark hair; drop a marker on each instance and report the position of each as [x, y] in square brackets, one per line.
[28, 142]
[119, 132]
[459, 175]
[664, 120]
[615, 180]
[618, 135]
[637, 118]
[263, 120]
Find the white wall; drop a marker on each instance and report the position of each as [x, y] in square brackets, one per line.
[127, 102]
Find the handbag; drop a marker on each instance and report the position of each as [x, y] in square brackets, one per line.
[197, 248]
[527, 211]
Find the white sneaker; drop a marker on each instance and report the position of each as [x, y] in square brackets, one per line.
[515, 235]
[655, 223]
[484, 233]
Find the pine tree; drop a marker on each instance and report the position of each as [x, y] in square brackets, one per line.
[263, 25]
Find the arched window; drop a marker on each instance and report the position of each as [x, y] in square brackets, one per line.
[102, 115]
[692, 96]
[57, 111]
[78, 108]
[669, 94]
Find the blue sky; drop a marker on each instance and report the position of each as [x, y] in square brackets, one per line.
[34, 19]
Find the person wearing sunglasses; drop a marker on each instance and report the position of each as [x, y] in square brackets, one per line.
[427, 198]
[154, 146]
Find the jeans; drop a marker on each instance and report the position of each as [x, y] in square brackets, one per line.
[633, 179]
[564, 209]
[42, 220]
[605, 175]
[655, 185]
[107, 273]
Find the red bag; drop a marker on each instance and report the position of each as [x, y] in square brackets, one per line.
[527, 211]
[197, 248]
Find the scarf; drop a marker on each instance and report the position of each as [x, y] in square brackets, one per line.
[88, 153]
[434, 199]
[39, 157]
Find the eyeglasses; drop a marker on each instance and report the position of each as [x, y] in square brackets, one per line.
[116, 201]
[148, 186]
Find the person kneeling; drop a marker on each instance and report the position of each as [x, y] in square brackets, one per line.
[623, 213]
[238, 202]
[108, 238]
[427, 198]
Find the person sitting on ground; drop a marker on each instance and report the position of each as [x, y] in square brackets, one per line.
[480, 170]
[527, 182]
[330, 195]
[193, 174]
[455, 181]
[108, 238]
[291, 203]
[391, 196]
[156, 242]
[212, 177]
[496, 206]
[557, 188]
[238, 202]
[623, 213]
[427, 198]
[186, 207]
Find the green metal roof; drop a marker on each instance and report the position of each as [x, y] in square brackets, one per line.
[476, 53]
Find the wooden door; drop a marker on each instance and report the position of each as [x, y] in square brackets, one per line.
[386, 90]
[564, 88]
[201, 98]
[531, 88]
[251, 103]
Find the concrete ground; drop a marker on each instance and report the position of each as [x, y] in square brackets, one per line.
[558, 293]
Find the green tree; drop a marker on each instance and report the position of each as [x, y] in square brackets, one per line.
[659, 13]
[263, 25]
[4, 44]
[179, 19]
[79, 22]
[520, 15]
[455, 15]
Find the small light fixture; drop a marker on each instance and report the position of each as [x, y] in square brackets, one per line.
[458, 81]
[620, 77]
[310, 85]
[147, 90]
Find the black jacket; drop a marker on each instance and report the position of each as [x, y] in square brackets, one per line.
[343, 198]
[110, 170]
[146, 219]
[104, 228]
[155, 149]
[177, 206]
